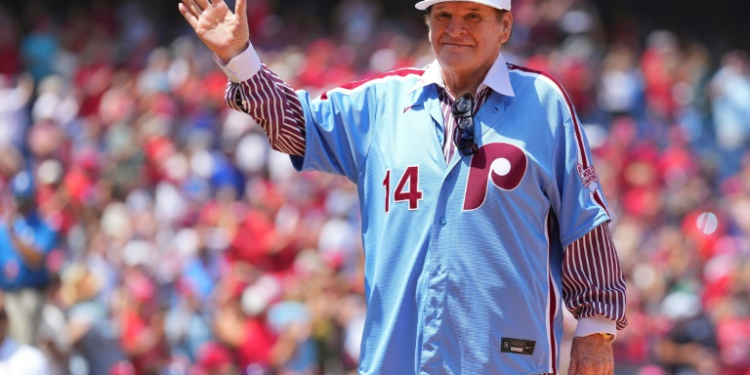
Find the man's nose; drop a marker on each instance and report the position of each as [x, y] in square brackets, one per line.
[456, 28]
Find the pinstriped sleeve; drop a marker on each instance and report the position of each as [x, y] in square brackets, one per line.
[274, 105]
[593, 284]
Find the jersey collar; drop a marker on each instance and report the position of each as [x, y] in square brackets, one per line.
[498, 78]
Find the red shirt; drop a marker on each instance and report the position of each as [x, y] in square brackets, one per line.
[256, 348]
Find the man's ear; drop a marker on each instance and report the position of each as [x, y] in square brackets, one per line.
[507, 25]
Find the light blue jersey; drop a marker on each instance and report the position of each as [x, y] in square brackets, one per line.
[462, 260]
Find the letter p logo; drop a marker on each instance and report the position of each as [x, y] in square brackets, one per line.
[502, 163]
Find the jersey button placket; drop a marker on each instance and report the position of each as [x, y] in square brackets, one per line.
[442, 220]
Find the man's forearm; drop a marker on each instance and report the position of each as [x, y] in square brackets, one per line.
[593, 284]
[272, 103]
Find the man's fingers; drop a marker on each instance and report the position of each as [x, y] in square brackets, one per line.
[193, 8]
[196, 8]
[203, 4]
[240, 10]
[188, 15]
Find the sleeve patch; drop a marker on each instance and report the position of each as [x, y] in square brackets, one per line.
[588, 175]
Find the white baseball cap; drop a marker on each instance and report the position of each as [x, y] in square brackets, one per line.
[499, 4]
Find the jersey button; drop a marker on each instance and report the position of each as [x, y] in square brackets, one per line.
[442, 220]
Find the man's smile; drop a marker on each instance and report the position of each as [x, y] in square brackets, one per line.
[456, 44]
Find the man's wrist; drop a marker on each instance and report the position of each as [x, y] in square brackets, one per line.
[595, 324]
[607, 336]
[242, 67]
[226, 57]
[599, 336]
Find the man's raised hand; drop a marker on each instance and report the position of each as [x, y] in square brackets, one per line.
[225, 33]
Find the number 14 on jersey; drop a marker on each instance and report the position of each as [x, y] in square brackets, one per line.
[407, 189]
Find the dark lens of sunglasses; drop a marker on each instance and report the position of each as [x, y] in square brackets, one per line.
[462, 138]
[462, 107]
[466, 123]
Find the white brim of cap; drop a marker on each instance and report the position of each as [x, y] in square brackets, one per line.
[502, 4]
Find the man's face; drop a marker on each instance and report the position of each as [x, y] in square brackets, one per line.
[467, 36]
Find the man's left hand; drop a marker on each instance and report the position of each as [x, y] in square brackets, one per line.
[591, 355]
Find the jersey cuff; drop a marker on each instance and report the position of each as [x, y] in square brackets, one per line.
[242, 67]
[595, 324]
[601, 219]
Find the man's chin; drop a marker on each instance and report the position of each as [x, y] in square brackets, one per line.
[454, 61]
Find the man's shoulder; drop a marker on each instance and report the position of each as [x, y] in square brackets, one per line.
[399, 78]
[543, 84]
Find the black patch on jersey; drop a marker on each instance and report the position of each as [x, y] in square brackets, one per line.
[517, 346]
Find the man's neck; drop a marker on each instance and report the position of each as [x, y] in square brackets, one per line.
[459, 84]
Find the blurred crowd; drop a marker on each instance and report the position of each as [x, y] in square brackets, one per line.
[174, 242]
